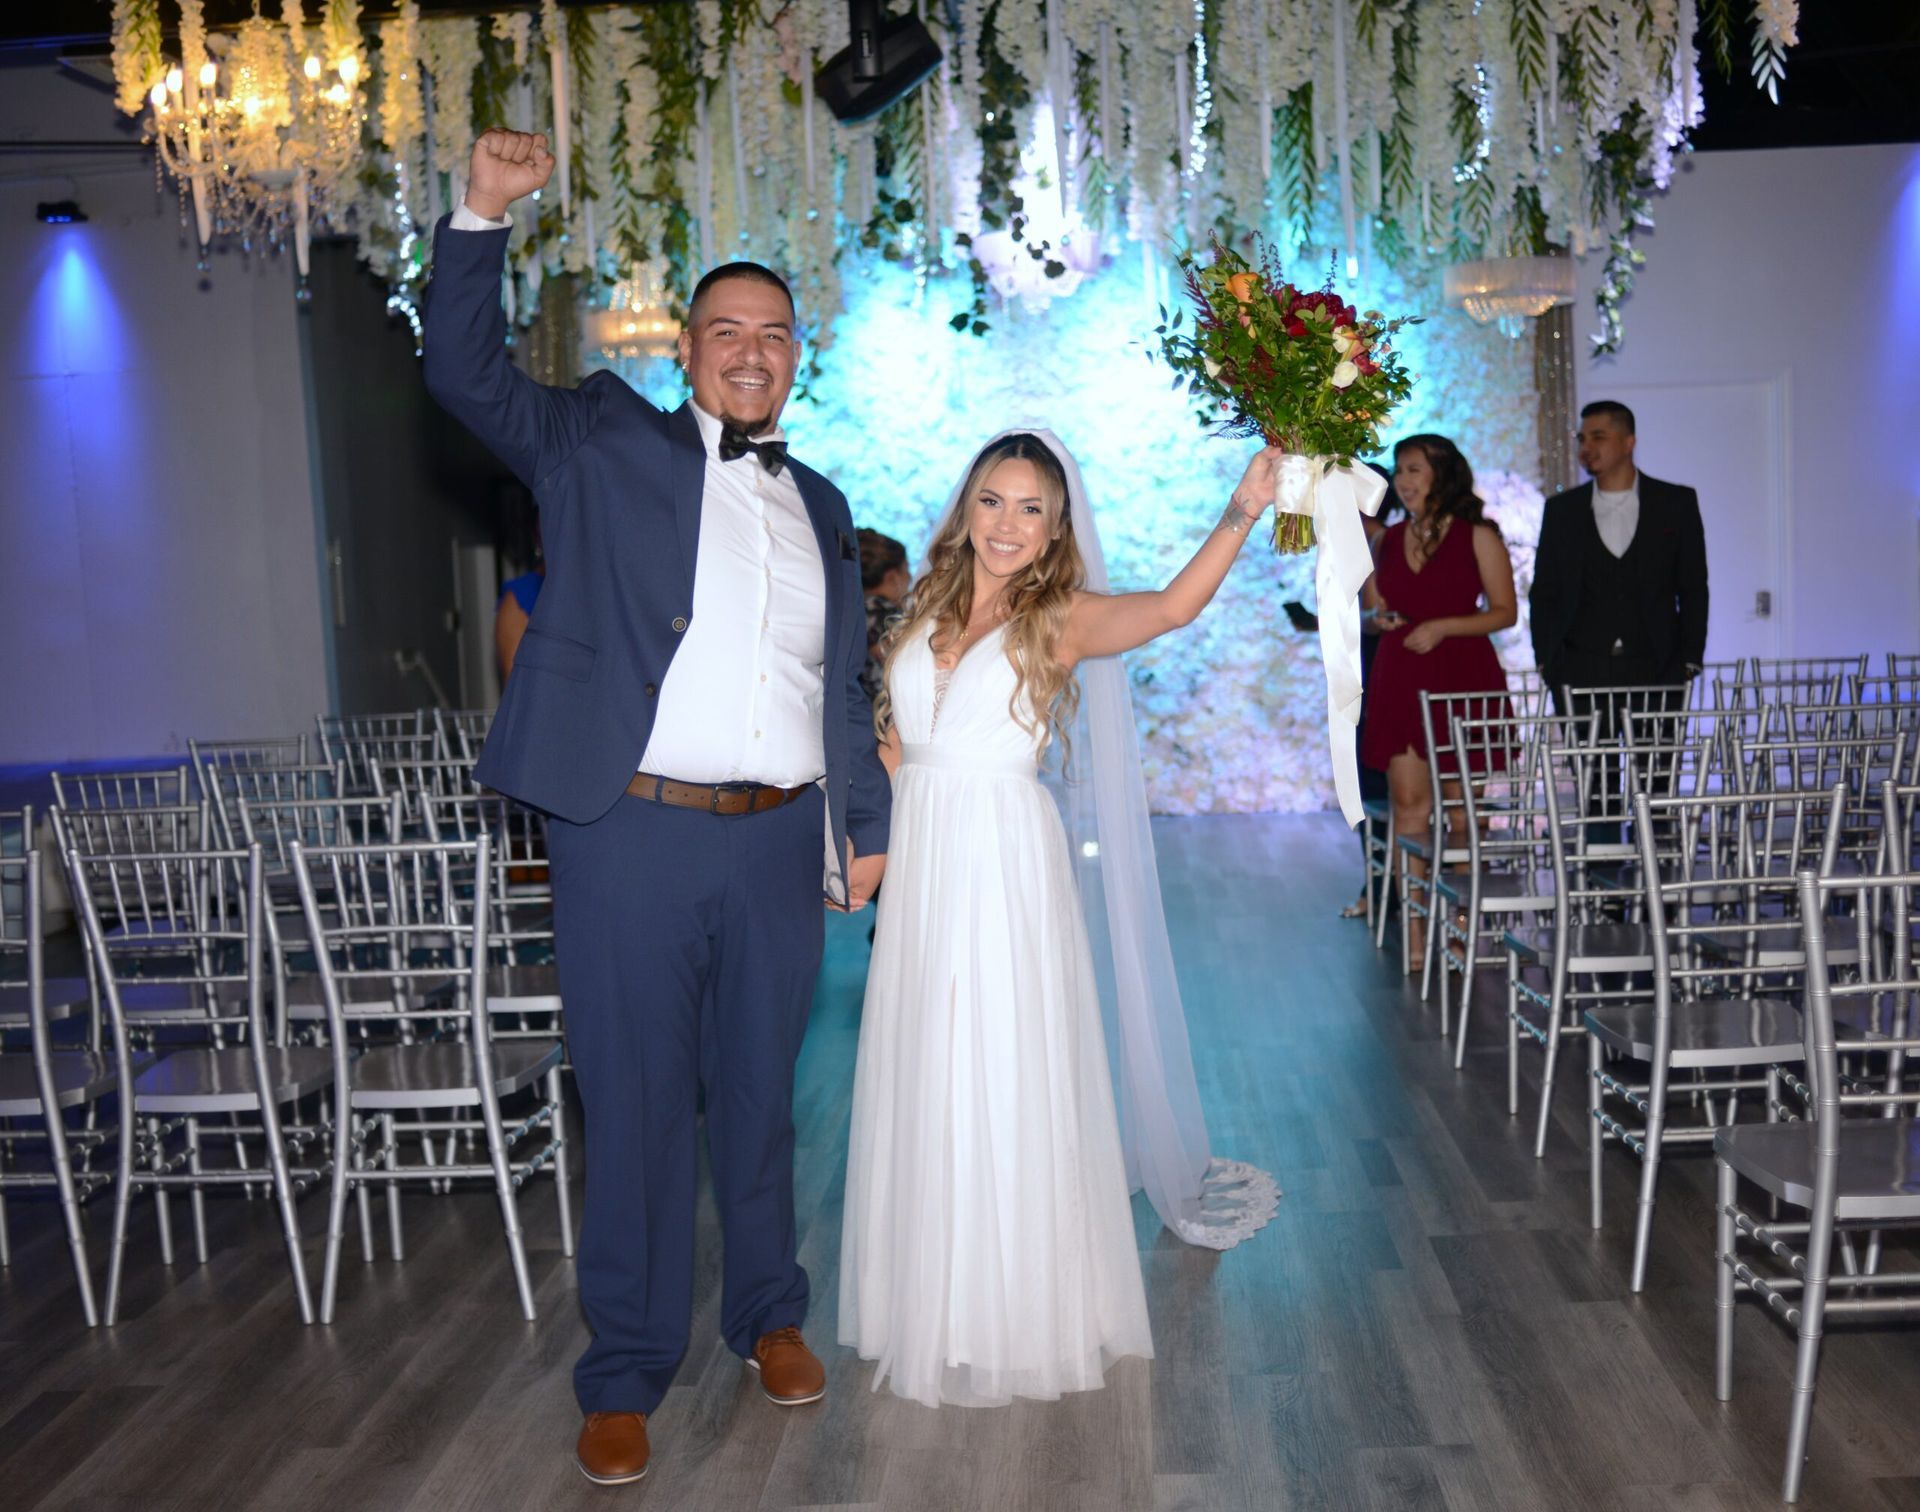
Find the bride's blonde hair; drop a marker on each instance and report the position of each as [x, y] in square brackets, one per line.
[1037, 601]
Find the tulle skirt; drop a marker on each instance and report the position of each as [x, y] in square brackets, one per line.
[989, 1248]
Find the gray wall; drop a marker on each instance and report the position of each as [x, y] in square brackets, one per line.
[158, 571]
[1771, 361]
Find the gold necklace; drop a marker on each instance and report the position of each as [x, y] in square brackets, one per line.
[966, 630]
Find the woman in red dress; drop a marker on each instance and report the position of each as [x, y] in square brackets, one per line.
[1432, 573]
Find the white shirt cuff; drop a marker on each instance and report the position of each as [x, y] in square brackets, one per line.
[467, 220]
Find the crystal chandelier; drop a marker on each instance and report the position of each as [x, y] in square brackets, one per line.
[260, 130]
[1510, 290]
[637, 322]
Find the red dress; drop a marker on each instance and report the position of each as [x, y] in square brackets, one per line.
[1446, 588]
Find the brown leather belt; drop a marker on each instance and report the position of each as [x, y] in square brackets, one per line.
[713, 798]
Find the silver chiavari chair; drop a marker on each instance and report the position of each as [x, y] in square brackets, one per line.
[1587, 950]
[1848, 1174]
[40, 1087]
[1706, 1018]
[1716, 680]
[1378, 846]
[522, 978]
[1509, 878]
[270, 750]
[1444, 844]
[414, 780]
[398, 916]
[216, 1060]
[460, 732]
[229, 787]
[299, 1007]
[159, 787]
[366, 742]
[340, 734]
[1804, 679]
[125, 908]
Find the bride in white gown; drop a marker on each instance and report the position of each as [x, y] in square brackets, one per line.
[988, 1249]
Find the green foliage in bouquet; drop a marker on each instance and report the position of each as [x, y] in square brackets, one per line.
[1302, 370]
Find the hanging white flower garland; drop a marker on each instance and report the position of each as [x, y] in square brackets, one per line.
[1447, 127]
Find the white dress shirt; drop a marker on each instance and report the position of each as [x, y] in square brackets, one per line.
[1617, 515]
[742, 700]
[743, 697]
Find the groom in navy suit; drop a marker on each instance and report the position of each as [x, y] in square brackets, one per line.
[686, 707]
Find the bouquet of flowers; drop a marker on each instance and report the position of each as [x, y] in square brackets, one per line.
[1302, 370]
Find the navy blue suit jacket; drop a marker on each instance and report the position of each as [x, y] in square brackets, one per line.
[619, 485]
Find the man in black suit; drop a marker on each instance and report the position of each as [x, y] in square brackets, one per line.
[1620, 577]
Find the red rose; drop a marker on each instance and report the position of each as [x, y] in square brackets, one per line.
[1296, 328]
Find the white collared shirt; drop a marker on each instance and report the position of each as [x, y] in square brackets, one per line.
[1617, 515]
[742, 700]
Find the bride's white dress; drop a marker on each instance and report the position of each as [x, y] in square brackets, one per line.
[988, 1249]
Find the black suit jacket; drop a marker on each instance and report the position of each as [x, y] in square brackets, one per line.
[1670, 558]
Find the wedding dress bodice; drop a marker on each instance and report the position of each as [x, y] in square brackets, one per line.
[971, 719]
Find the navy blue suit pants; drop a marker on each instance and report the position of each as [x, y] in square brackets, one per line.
[688, 945]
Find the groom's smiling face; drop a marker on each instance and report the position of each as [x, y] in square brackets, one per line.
[740, 353]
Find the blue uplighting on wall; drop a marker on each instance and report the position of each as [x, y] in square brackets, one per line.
[75, 321]
[1232, 709]
[1899, 336]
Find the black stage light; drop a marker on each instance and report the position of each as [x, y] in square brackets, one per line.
[59, 212]
[885, 61]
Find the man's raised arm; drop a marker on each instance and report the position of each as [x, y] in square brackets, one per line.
[527, 425]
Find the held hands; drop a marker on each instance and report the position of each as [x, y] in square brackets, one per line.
[1423, 638]
[863, 880]
[506, 166]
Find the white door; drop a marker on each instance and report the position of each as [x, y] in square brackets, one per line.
[1728, 441]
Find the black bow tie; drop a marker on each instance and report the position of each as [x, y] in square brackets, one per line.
[736, 443]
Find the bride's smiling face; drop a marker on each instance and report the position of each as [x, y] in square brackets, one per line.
[1008, 525]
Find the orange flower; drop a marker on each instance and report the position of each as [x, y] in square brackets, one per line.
[1240, 286]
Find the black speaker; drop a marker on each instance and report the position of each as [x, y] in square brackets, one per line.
[885, 61]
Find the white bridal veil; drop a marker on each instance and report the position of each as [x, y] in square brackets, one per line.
[1206, 1201]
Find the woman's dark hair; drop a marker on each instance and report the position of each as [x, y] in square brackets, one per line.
[879, 555]
[1452, 495]
[1392, 504]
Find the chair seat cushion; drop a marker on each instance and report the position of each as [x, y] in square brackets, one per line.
[1715, 1032]
[79, 1076]
[209, 1080]
[1782, 947]
[1590, 947]
[1503, 892]
[63, 997]
[440, 1075]
[1879, 1164]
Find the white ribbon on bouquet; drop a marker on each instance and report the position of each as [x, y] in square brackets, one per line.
[1334, 496]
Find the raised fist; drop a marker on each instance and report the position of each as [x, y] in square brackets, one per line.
[506, 166]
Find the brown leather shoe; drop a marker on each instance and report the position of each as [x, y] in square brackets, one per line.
[789, 1373]
[613, 1448]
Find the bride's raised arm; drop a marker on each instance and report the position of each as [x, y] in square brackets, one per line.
[1103, 624]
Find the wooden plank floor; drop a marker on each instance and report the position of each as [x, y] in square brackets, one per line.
[1429, 1322]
